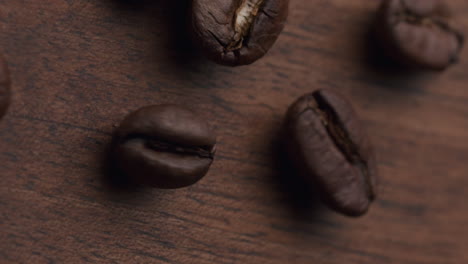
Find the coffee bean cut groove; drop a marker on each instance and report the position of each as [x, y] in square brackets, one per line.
[243, 20]
[164, 146]
[340, 137]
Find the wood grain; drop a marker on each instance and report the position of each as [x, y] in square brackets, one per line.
[78, 66]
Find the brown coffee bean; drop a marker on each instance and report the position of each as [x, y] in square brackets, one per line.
[237, 32]
[5, 86]
[327, 143]
[419, 33]
[164, 146]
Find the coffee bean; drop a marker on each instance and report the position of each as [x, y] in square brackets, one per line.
[237, 32]
[326, 142]
[164, 146]
[5, 84]
[419, 33]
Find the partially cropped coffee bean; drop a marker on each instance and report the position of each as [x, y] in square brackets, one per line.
[419, 33]
[326, 142]
[237, 32]
[5, 84]
[164, 146]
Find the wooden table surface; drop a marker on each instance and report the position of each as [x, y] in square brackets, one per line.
[79, 66]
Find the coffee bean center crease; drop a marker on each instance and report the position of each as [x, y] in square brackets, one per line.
[340, 137]
[164, 146]
[243, 21]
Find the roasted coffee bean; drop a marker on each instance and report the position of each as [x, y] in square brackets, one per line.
[237, 32]
[326, 142]
[164, 146]
[4, 87]
[419, 33]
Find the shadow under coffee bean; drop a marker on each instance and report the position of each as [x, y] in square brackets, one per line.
[237, 32]
[164, 146]
[329, 147]
[5, 86]
[419, 33]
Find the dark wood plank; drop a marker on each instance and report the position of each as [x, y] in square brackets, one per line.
[79, 66]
